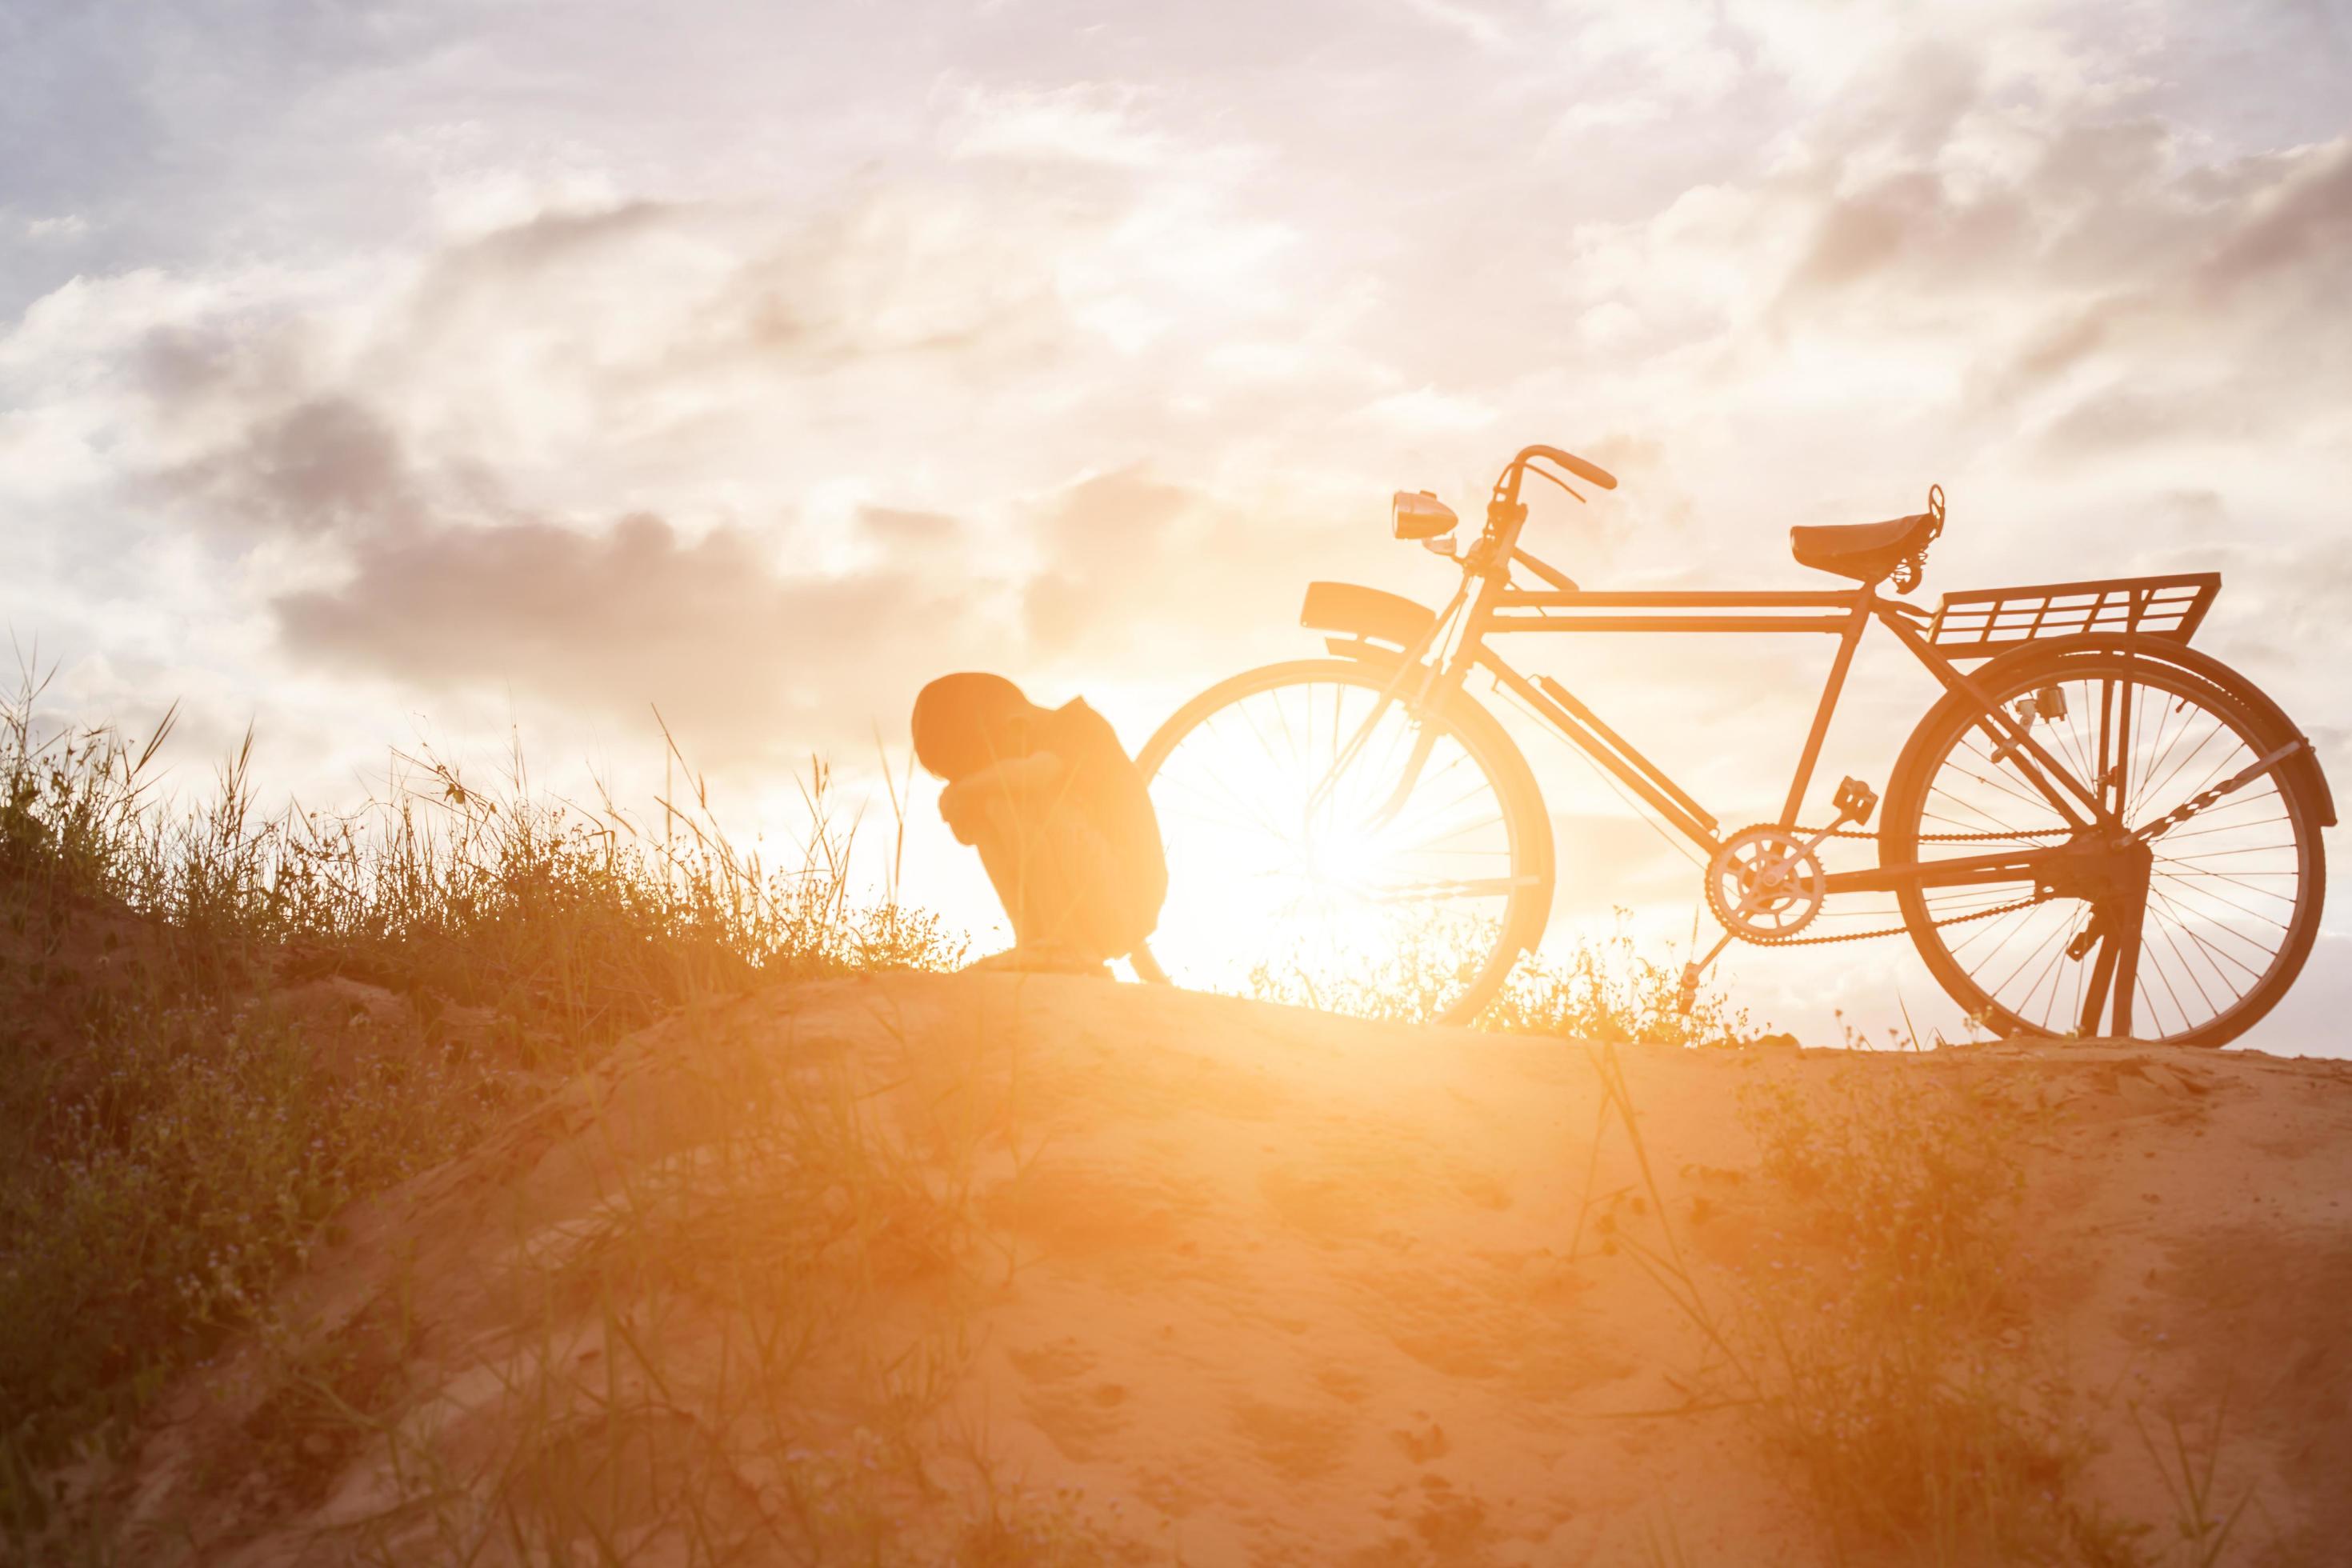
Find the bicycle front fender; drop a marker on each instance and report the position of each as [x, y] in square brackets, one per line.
[1362, 614]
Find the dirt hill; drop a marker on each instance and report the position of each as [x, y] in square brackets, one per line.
[985, 1269]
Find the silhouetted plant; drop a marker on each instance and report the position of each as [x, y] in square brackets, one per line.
[188, 1092]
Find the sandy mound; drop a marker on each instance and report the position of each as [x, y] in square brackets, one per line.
[994, 1269]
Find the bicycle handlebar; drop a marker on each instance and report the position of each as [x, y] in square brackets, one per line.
[1505, 515]
[1590, 473]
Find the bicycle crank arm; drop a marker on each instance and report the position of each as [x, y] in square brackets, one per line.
[2196, 803]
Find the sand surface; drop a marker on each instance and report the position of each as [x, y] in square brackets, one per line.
[868, 1265]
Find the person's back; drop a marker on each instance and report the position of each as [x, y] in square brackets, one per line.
[1059, 812]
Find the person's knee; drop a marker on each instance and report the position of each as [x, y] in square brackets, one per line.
[980, 815]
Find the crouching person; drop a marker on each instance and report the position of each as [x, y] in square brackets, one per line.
[1058, 813]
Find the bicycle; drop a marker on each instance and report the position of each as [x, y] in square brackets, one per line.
[2096, 829]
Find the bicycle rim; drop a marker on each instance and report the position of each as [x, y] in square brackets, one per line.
[1311, 861]
[2234, 891]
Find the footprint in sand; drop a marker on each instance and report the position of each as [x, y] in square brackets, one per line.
[1296, 1443]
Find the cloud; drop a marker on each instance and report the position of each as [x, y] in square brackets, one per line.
[1103, 538]
[520, 253]
[2298, 218]
[1426, 408]
[1083, 123]
[1471, 23]
[327, 465]
[2042, 268]
[972, 337]
[897, 528]
[1135, 568]
[752, 663]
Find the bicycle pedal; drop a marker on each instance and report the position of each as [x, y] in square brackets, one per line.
[1854, 801]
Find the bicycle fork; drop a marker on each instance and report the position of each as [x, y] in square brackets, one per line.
[1424, 739]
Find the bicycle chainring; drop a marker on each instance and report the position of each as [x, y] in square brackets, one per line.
[1765, 884]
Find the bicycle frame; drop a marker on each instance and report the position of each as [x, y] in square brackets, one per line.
[1489, 604]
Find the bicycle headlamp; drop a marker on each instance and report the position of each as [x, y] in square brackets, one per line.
[1419, 514]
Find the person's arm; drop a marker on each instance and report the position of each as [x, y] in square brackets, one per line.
[1015, 782]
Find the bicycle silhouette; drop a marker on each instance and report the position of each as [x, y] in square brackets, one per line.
[2095, 830]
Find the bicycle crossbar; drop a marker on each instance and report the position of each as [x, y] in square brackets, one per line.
[1539, 623]
[1678, 599]
[1530, 610]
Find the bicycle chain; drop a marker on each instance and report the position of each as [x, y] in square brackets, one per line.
[1938, 837]
[1892, 931]
[1902, 930]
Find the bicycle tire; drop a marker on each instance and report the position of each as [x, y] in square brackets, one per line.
[1480, 738]
[2250, 731]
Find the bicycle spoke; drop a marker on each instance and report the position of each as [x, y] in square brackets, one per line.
[2186, 967]
[2213, 773]
[1996, 834]
[2227, 891]
[2154, 791]
[2213, 954]
[2048, 970]
[2162, 750]
[2025, 918]
[1250, 808]
[2006, 788]
[1478, 887]
[1367, 851]
[2212, 812]
[2226, 854]
[2233, 903]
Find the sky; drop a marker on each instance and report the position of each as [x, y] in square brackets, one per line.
[387, 375]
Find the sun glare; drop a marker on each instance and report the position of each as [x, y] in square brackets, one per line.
[1322, 851]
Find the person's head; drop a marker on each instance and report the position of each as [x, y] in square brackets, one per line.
[966, 722]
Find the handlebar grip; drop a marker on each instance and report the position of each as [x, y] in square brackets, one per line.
[1590, 473]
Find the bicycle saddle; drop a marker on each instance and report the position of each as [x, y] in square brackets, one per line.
[1874, 552]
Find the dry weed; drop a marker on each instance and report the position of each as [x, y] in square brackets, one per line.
[180, 1119]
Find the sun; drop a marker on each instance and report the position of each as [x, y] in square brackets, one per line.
[1322, 849]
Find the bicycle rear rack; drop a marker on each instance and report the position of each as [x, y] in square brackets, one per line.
[1986, 620]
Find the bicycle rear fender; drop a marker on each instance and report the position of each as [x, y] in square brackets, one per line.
[2277, 727]
[1368, 614]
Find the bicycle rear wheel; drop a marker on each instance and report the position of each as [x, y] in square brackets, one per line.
[1326, 847]
[2234, 892]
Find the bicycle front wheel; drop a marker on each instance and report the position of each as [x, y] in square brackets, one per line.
[2232, 892]
[1329, 846]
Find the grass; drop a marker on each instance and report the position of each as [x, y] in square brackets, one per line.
[224, 1025]
[741, 1354]
[1905, 1390]
[1604, 990]
[1608, 991]
[1877, 1341]
[737, 1347]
